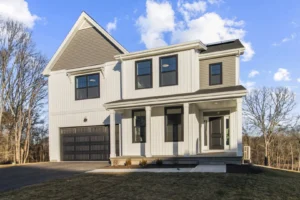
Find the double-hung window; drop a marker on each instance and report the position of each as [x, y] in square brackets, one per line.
[139, 126]
[168, 71]
[87, 87]
[173, 124]
[215, 74]
[143, 74]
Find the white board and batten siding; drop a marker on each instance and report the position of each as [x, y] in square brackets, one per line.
[188, 76]
[65, 111]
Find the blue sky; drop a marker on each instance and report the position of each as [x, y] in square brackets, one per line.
[271, 28]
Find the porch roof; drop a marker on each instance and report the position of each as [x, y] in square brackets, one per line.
[200, 95]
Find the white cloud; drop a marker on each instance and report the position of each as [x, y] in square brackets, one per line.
[112, 25]
[209, 27]
[159, 19]
[248, 84]
[295, 24]
[253, 73]
[282, 75]
[298, 80]
[286, 39]
[215, 1]
[17, 10]
[189, 10]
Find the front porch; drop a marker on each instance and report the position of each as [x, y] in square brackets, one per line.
[191, 132]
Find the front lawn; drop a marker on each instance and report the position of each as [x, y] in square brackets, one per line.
[270, 184]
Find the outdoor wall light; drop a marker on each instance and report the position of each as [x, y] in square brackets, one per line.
[85, 119]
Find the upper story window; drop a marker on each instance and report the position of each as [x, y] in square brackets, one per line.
[168, 71]
[215, 74]
[87, 87]
[139, 126]
[143, 74]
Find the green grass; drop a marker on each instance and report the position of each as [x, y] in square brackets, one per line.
[270, 184]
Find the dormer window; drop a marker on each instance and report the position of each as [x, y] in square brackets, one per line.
[143, 74]
[215, 74]
[87, 87]
[168, 71]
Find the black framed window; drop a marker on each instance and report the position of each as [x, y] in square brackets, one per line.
[215, 74]
[139, 126]
[173, 124]
[87, 87]
[168, 70]
[143, 74]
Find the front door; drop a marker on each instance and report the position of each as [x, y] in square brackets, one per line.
[216, 133]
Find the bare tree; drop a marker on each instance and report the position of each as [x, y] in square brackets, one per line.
[23, 87]
[266, 111]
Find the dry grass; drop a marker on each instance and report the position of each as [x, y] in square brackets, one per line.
[271, 184]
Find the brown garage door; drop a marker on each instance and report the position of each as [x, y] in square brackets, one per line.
[87, 143]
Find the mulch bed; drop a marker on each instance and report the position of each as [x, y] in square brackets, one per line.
[244, 169]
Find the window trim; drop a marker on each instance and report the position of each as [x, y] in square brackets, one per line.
[221, 73]
[160, 58]
[132, 118]
[151, 74]
[86, 75]
[182, 121]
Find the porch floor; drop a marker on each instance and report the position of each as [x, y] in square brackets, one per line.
[212, 154]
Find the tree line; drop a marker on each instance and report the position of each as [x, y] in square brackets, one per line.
[271, 127]
[23, 95]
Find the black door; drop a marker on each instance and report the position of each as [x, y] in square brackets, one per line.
[86, 143]
[216, 133]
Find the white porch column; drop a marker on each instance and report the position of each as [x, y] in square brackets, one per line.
[186, 128]
[112, 134]
[239, 121]
[148, 132]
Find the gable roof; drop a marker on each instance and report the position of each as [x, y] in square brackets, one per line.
[84, 22]
[223, 46]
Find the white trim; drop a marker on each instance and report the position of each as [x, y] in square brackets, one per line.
[162, 50]
[237, 70]
[80, 21]
[191, 98]
[216, 54]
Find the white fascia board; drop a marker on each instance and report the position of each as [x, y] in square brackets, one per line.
[162, 50]
[176, 99]
[70, 35]
[217, 54]
[90, 69]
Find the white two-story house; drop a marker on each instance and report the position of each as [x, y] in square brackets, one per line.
[181, 102]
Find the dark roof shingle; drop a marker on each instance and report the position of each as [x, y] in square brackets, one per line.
[201, 91]
[222, 46]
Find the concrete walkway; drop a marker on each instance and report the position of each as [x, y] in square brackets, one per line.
[198, 168]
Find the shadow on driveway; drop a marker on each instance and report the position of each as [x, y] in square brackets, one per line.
[15, 177]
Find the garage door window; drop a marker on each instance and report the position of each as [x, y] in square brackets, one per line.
[87, 87]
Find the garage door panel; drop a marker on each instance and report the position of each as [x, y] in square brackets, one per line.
[87, 143]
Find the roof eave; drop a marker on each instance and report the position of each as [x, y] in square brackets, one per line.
[177, 99]
[237, 52]
[162, 50]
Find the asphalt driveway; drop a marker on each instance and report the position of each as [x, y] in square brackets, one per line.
[13, 177]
